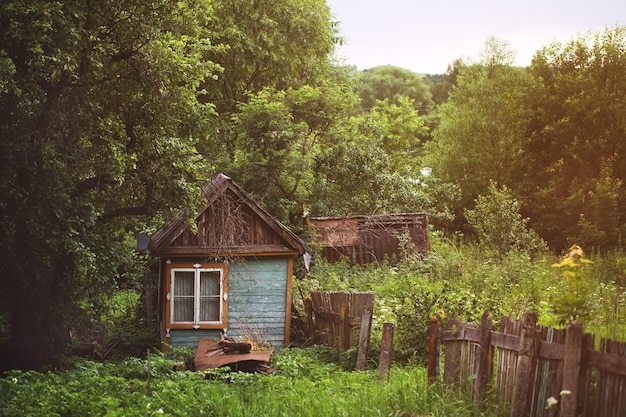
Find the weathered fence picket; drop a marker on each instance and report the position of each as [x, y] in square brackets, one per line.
[531, 366]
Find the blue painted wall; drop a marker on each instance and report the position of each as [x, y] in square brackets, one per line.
[182, 337]
[257, 303]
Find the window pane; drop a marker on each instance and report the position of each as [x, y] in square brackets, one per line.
[183, 295]
[183, 283]
[210, 296]
[183, 309]
[209, 283]
[210, 308]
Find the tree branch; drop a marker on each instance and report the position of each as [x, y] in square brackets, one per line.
[99, 181]
[141, 210]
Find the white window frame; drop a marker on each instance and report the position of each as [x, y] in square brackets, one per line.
[197, 269]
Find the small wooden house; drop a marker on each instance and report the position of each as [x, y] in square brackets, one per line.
[365, 239]
[231, 275]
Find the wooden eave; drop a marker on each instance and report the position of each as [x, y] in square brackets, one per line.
[258, 250]
[161, 241]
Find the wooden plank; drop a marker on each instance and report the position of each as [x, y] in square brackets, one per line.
[452, 356]
[259, 250]
[206, 358]
[180, 337]
[571, 370]
[288, 302]
[364, 340]
[484, 364]
[525, 366]
[607, 362]
[456, 333]
[344, 334]
[549, 350]
[505, 341]
[472, 334]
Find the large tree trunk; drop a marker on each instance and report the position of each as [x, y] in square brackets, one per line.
[38, 305]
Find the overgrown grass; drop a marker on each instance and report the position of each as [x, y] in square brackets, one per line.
[305, 384]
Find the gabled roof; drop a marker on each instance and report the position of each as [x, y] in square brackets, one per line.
[264, 234]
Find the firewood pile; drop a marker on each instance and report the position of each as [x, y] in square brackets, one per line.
[242, 355]
[228, 346]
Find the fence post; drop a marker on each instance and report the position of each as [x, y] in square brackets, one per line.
[433, 349]
[571, 369]
[385, 352]
[364, 339]
[483, 373]
[525, 364]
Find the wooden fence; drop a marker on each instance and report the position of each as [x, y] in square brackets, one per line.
[530, 366]
[338, 315]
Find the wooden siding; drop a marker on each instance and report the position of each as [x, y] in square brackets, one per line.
[258, 305]
[258, 300]
[184, 337]
[232, 227]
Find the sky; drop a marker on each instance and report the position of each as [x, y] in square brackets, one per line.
[426, 36]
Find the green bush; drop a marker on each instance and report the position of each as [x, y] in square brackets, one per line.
[498, 224]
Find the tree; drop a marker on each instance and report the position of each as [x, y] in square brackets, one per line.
[441, 85]
[483, 126]
[279, 136]
[102, 110]
[392, 83]
[372, 167]
[575, 162]
[398, 129]
[265, 44]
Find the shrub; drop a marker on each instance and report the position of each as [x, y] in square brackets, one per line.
[499, 225]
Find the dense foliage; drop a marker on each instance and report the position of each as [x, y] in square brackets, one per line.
[393, 83]
[462, 280]
[553, 133]
[102, 109]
